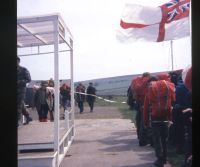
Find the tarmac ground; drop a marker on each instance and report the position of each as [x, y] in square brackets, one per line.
[104, 139]
[107, 143]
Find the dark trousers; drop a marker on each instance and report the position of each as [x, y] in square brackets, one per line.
[172, 136]
[160, 134]
[51, 110]
[145, 134]
[43, 111]
[51, 115]
[20, 102]
[188, 145]
[142, 132]
[24, 111]
[138, 119]
[179, 129]
[80, 105]
[65, 103]
[91, 104]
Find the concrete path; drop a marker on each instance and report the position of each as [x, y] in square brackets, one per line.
[107, 143]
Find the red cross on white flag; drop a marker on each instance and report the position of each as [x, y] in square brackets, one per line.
[166, 22]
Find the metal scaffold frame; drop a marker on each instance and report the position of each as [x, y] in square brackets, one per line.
[46, 30]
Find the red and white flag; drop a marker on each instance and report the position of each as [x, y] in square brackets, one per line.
[166, 22]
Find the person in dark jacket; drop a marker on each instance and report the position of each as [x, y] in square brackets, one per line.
[91, 92]
[65, 96]
[188, 137]
[130, 99]
[41, 101]
[183, 101]
[23, 78]
[80, 96]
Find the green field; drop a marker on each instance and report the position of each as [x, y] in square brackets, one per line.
[120, 103]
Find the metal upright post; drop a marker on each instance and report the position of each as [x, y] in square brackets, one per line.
[66, 119]
[72, 82]
[56, 80]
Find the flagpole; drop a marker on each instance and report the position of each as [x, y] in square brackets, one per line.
[172, 56]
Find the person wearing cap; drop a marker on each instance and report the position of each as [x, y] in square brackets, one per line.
[23, 78]
[91, 92]
[41, 101]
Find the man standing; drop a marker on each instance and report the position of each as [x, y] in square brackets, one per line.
[23, 77]
[157, 114]
[43, 101]
[80, 96]
[91, 92]
[65, 96]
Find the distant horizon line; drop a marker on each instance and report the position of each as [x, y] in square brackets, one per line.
[110, 76]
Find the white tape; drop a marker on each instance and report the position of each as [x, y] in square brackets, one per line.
[111, 101]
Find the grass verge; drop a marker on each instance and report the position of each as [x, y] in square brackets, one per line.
[127, 113]
[120, 103]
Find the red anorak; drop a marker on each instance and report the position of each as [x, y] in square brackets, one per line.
[158, 101]
[138, 87]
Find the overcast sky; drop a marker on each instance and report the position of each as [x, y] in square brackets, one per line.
[97, 53]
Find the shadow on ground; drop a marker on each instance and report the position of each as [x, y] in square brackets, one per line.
[140, 165]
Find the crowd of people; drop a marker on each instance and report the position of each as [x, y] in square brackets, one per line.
[43, 96]
[163, 105]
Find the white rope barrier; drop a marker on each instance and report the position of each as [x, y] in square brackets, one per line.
[101, 98]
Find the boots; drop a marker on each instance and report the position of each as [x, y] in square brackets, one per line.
[28, 119]
[27, 116]
[43, 120]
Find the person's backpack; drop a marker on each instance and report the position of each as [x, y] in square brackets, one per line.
[138, 86]
[163, 76]
[159, 93]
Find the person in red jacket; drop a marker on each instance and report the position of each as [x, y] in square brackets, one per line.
[138, 88]
[157, 114]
